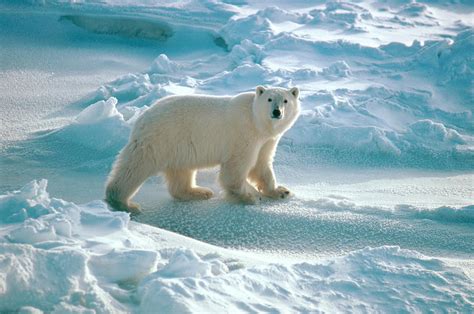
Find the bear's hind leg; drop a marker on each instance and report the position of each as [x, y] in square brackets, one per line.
[131, 168]
[182, 185]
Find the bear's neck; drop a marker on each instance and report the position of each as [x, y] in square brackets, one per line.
[264, 127]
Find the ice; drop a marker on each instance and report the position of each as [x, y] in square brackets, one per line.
[185, 263]
[80, 277]
[100, 126]
[32, 199]
[57, 220]
[163, 65]
[125, 27]
[99, 111]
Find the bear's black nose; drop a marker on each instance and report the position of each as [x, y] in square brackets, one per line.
[276, 114]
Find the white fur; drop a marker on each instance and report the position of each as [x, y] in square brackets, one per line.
[180, 134]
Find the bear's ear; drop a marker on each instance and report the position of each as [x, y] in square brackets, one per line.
[295, 91]
[260, 90]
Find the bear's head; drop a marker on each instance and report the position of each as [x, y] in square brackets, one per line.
[275, 109]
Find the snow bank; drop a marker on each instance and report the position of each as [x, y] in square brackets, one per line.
[451, 62]
[56, 256]
[50, 280]
[41, 218]
[43, 263]
[447, 214]
[349, 283]
[100, 126]
[89, 142]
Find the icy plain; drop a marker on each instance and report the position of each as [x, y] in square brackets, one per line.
[381, 161]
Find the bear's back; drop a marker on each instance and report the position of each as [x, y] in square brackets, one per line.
[178, 117]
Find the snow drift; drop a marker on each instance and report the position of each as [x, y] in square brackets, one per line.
[57, 256]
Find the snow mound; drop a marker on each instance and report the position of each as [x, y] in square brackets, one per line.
[89, 142]
[452, 61]
[445, 213]
[32, 199]
[464, 215]
[98, 112]
[411, 282]
[41, 218]
[163, 65]
[342, 16]
[383, 126]
[85, 257]
[49, 280]
[435, 132]
[100, 127]
[111, 266]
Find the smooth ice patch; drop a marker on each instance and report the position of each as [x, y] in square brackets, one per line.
[121, 26]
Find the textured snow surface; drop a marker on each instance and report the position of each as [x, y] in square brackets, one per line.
[381, 160]
[57, 256]
[390, 104]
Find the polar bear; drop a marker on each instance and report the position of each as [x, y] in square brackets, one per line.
[180, 134]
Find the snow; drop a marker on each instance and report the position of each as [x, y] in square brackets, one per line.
[381, 160]
[374, 119]
[66, 257]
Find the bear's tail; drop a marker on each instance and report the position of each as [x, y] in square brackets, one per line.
[129, 171]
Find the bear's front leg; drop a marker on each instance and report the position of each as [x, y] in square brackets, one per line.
[233, 177]
[264, 179]
[262, 174]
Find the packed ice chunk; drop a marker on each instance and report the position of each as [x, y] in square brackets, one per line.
[163, 65]
[44, 279]
[100, 126]
[435, 131]
[124, 265]
[41, 219]
[186, 263]
[31, 201]
[99, 111]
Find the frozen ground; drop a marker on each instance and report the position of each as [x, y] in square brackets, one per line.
[381, 160]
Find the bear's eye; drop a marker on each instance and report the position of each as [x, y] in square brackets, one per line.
[269, 100]
[285, 101]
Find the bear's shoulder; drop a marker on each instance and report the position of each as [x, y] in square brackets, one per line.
[243, 98]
